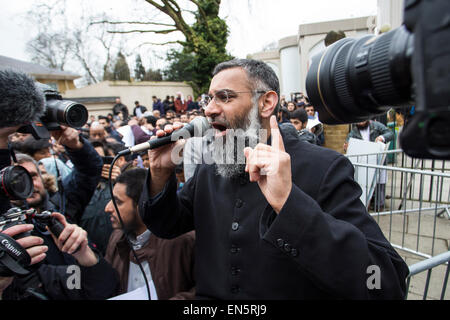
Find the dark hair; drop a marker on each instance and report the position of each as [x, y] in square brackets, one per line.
[134, 180]
[99, 144]
[31, 145]
[116, 148]
[151, 120]
[285, 113]
[261, 76]
[333, 36]
[136, 102]
[104, 118]
[309, 105]
[299, 114]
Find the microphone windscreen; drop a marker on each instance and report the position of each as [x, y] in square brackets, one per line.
[21, 102]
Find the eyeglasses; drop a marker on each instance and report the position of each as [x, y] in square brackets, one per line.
[222, 97]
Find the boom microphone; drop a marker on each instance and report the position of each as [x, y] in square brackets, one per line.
[197, 126]
[21, 102]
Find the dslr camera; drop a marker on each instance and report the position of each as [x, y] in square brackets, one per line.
[407, 68]
[57, 112]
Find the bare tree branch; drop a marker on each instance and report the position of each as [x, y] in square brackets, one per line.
[175, 15]
[158, 44]
[132, 22]
[145, 31]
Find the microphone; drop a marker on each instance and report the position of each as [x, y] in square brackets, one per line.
[21, 102]
[198, 125]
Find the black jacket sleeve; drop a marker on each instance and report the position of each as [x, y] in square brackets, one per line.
[80, 185]
[337, 241]
[5, 160]
[98, 282]
[153, 211]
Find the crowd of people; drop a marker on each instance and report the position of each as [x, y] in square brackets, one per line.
[271, 235]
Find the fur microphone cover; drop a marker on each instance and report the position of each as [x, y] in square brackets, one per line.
[20, 100]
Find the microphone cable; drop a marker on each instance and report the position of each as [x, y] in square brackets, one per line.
[123, 226]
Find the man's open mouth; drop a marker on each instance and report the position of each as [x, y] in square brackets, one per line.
[221, 129]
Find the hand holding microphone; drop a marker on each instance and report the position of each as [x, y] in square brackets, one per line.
[161, 164]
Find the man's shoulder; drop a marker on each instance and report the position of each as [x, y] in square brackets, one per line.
[182, 242]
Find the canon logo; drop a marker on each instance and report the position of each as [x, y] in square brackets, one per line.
[11, 248]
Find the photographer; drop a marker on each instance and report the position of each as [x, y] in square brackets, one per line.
[78, 186]
[96, 279]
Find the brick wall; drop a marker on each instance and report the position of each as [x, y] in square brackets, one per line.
[335, 136]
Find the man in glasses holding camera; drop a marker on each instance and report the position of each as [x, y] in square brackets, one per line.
[275, 217]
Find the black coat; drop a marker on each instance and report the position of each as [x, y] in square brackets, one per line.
[319, 246]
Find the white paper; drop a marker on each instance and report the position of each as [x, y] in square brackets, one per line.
[363, 175]
[138, 294]
[127, 133]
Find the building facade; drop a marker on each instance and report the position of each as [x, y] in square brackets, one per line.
[292, 58]
[57, 79]
[100, 98]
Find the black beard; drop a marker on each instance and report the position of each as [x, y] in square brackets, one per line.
[364, 126]
[235, 168]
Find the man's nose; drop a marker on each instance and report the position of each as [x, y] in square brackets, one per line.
[109, 207]
[213, 109]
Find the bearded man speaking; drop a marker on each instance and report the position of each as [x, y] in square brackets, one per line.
[286, 223]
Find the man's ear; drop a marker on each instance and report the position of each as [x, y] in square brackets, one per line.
[268, 104]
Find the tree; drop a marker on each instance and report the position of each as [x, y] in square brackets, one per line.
[204, 41]
[153, 75]
[121, 69]
[72, 44]
[139, 70]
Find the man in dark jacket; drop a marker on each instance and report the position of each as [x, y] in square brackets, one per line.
[285, 224]
[158, 105]
[119, 107]
[370, 131]
[168, 264]
[375, 132]
[138, 110]
[299, 119]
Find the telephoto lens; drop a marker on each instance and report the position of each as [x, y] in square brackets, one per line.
[16, 183]
[65, 112]
[354, 79]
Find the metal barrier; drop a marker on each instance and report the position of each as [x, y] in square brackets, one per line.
[412, 206]
[428, 265]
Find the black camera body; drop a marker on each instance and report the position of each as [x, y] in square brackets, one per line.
[57, 112]
[13, 258]
[355, 79]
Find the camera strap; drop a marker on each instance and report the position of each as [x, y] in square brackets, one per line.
[13, 257]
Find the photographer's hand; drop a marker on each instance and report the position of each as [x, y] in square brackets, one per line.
[115, 172]
[68, 137]
[73, 237]
[32, 244]
[4, 133]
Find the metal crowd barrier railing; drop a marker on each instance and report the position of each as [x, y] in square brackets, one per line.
[428, 265]
[412, 207]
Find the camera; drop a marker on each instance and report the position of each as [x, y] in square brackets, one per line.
[15, 183]
[355, 79]
[13, 258]
[58, 112]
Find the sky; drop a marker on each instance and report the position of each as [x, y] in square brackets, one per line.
[253, 24]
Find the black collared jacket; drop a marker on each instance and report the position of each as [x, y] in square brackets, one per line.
[322, 245]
